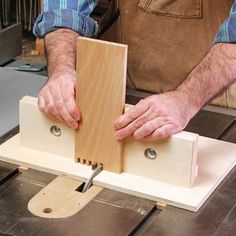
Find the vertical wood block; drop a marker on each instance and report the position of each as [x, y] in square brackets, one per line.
[37, 131]
[174, 162]
[100, 94]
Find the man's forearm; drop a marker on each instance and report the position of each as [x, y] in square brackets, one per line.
[57, 97]
[162, 115]
[61, 50]
[216, 72]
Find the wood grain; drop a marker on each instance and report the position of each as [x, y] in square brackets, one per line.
[101, 78]
[176, 161]
[36, 133]
[215, 160]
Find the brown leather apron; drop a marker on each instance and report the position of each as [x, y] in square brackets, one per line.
[167, 39]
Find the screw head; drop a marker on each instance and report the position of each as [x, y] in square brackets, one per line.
[150, 153]
[55, 130]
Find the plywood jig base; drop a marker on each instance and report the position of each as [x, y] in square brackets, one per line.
[215, 160]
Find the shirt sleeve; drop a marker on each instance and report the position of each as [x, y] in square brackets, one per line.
[71, 14]
[227, 32]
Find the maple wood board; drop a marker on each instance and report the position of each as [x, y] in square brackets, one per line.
[175, 162]
[215, 159]
[100, 86]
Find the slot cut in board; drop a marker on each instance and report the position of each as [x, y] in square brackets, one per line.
[100, 86]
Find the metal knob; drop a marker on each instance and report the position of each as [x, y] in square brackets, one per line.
[150, 153]
[55, 130]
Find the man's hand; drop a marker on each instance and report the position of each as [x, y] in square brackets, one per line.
[155, 117]
[162, 115]
[57, 98]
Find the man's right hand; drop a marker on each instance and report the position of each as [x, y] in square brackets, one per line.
[57, 98]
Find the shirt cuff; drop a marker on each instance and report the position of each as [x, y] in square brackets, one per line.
[65, 18]
[227, 32]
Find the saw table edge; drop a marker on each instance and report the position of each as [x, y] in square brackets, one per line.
[216, 159]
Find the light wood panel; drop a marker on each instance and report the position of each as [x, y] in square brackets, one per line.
[176, 161]
[100, 94]
[215, 160]
[36, 133]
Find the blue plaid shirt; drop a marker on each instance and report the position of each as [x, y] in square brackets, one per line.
[227, 32]
[75, 15]
[70, 14]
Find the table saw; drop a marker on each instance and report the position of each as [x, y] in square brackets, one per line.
[113, 212]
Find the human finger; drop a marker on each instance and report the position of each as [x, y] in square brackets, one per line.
[149, 127]
[52, 108]
[68, 95]
[68, 119]
[73, 109]
[162, 132]
[131, 115]
[56, 105]
[43, 108]
[135, 125]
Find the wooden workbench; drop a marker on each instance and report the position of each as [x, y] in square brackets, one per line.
[114, 213]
